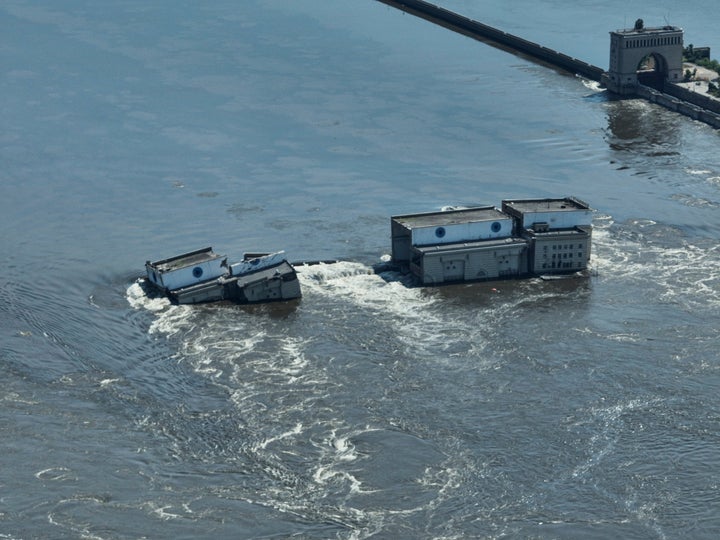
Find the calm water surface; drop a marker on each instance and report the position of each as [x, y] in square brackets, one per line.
[369, 409]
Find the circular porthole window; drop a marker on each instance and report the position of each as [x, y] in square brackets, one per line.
[495, 227]
[197, 272]
[440, 232]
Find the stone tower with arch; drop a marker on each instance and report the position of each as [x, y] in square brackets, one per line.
[640, 55]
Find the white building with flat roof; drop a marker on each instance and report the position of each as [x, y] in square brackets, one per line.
[559, 233]
[456, 245]
[564, 213]
[529, 236]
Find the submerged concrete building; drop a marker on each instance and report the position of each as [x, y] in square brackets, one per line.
[558, 232]
[525, 237]
[204, 276]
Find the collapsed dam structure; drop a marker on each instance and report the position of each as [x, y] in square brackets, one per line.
[626, 77]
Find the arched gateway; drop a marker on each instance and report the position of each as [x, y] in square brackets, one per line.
[640, 55]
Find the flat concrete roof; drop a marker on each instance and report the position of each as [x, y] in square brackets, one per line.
[451, 217]
[566, 204]
[559, 233]
[186, 259]
[476, 245]
[266, 273]
[654, 30]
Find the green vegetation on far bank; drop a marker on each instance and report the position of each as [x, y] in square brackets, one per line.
[700, 58]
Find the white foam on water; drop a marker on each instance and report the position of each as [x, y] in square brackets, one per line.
[171, 321]
[337, 452]
[294, 363]
[64, 521]
[608, 422]
[279, 383]
[358, 283]
[591, 85]
[286, 434]
[14, 397]
[137, 298]
[162, 512]
[56, 474]
[681, 273]
[608, 427]
[413, 313]
[170, 318]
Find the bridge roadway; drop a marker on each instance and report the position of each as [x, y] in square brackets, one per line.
[483, 32]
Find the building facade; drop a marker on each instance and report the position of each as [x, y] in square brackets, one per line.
[558, 231]
[640, 55]
[525, 237]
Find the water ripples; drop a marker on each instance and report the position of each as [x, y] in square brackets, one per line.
[673, 269]
[346, 427]
[296, 405]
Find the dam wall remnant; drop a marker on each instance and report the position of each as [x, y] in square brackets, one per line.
[701, 100]
[620, 79]
[683, 101]
[480, 31]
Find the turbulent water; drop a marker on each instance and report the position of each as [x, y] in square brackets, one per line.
[573, 408]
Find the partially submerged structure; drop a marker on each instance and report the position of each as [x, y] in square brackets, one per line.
[524, 237]
[204, 276]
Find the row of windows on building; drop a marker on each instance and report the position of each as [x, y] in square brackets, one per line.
[653, 42]
[563, 265]
[560, 260]
[565, 255]
[563, 246]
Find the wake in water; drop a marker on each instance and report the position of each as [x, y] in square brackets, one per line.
[311, 441]
[327, 412]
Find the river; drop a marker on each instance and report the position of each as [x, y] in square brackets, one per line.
[579, 408]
